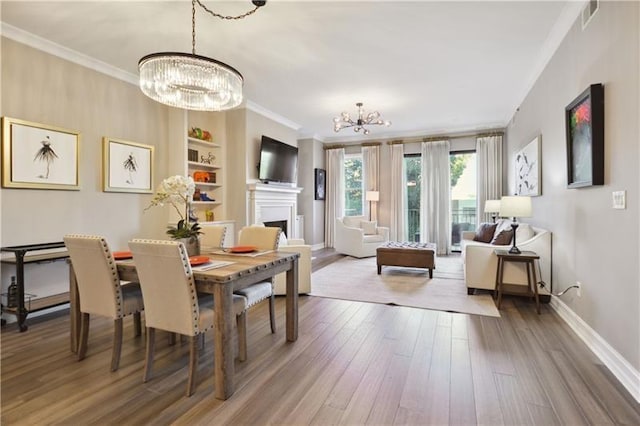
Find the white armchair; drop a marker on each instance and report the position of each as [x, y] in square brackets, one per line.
[356, 236]
[304, 267]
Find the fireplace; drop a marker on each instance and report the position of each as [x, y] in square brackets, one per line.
[272, 203]
[282, 224]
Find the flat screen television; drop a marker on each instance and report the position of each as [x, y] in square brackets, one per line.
[278, 161]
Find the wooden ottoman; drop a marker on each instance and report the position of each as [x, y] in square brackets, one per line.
[417, 255]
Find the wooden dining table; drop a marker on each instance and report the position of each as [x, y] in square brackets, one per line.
[221, 282]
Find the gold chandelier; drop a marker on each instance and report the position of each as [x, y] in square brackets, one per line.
[344, 120]
[190, 81]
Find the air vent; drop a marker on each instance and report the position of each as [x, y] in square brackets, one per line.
[589, 11]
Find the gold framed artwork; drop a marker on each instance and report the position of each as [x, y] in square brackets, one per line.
[126, 166]
[39, 156]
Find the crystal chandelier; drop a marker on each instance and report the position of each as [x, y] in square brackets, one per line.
[190, 81]
[373, 118]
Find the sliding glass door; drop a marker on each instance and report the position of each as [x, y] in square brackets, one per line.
[463, 195]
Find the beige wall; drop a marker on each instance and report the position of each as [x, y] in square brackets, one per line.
[311, 157]
[45, 89]
[592, 243]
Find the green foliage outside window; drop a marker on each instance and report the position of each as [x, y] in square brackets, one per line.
[353, 193]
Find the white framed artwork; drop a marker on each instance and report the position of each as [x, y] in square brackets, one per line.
[528, 165]
[127, 166]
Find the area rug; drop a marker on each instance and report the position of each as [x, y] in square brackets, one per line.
[357, 279]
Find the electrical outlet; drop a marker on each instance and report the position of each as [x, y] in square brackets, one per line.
[579, 289]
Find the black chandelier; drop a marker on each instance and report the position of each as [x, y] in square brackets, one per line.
[345, 120]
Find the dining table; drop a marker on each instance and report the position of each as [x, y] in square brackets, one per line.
[239, 271]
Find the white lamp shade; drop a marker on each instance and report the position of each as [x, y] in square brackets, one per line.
[492, 206]
[515, 206]
[372, 196]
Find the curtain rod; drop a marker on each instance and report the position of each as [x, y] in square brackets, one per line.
[445, 137]
[352, 144]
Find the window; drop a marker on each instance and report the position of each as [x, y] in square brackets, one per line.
[413, 169]
[463, 195]
[353, 193]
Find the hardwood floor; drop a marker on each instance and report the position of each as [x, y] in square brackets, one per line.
[354, 363]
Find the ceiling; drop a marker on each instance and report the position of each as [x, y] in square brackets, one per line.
[428, 67]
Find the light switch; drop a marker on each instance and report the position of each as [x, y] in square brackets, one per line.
[619, 199]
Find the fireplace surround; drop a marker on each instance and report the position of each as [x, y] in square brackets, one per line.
[273, 203]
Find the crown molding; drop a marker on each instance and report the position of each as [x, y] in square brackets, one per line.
[60, 51]
[252, 106]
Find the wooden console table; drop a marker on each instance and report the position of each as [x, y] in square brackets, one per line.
[526, 257]
[19, 260]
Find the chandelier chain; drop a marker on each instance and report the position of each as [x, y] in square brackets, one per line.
[193, 26]
[227, 17]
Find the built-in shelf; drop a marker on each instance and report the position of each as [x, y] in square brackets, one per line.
[203, 143]
[211, 203]
[196, 164]
[208, 185]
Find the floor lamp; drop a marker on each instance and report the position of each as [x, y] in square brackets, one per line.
[515, 206]
[493, 207]
[371, 196]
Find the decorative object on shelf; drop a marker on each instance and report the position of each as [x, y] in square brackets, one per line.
[176, 191]
[515, 206]
[190, 81]
[198, 133]
[584, 124]
[205, 197]
[208, 214]
[212, 177]
[12, 294]
[192, 154]
[493, 207]
[38, 156]
[200, 176]
[345, 120]
[528, 169]
[126, 166]
[208, 159]
[320, 176]
[372, 196]
[196, 194]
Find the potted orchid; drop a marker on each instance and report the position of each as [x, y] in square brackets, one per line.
[177, 191]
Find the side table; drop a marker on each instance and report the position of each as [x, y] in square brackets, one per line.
[526, 257]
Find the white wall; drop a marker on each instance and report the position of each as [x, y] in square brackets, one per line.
[592, 243]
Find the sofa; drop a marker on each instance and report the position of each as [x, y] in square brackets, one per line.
[480, 261]
[358, 237]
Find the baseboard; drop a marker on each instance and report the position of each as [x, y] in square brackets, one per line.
[620, 367]
[317, 246]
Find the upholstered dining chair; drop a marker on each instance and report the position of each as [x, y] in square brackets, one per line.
[263, 238]
[212, 235]
[171, 301]
[100, 290]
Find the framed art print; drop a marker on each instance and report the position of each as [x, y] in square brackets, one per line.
[39, 156]
[529, 170]
[584, 125]
[127, 166]
[320, 175]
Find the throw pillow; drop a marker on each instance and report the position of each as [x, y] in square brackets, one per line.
[352, 221]
[369, 228]
[485, 232]
[503, 238]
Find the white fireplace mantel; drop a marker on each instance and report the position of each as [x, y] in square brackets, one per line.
[272, 202]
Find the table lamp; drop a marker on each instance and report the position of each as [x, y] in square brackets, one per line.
[493, 207]
[515, 206]
[371, 196]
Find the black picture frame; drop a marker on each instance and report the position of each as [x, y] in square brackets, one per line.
[584, 124]
[320, 182]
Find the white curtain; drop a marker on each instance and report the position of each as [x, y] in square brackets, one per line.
[398, 225]
[334, 203]
[435, 202]
[489, 154]
[370, 156]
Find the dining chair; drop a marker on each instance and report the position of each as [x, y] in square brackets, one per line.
[212, 235]
[171, 302]
[263, 238]
[100, 290]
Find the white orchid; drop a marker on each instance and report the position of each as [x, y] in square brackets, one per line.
[177, 191]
